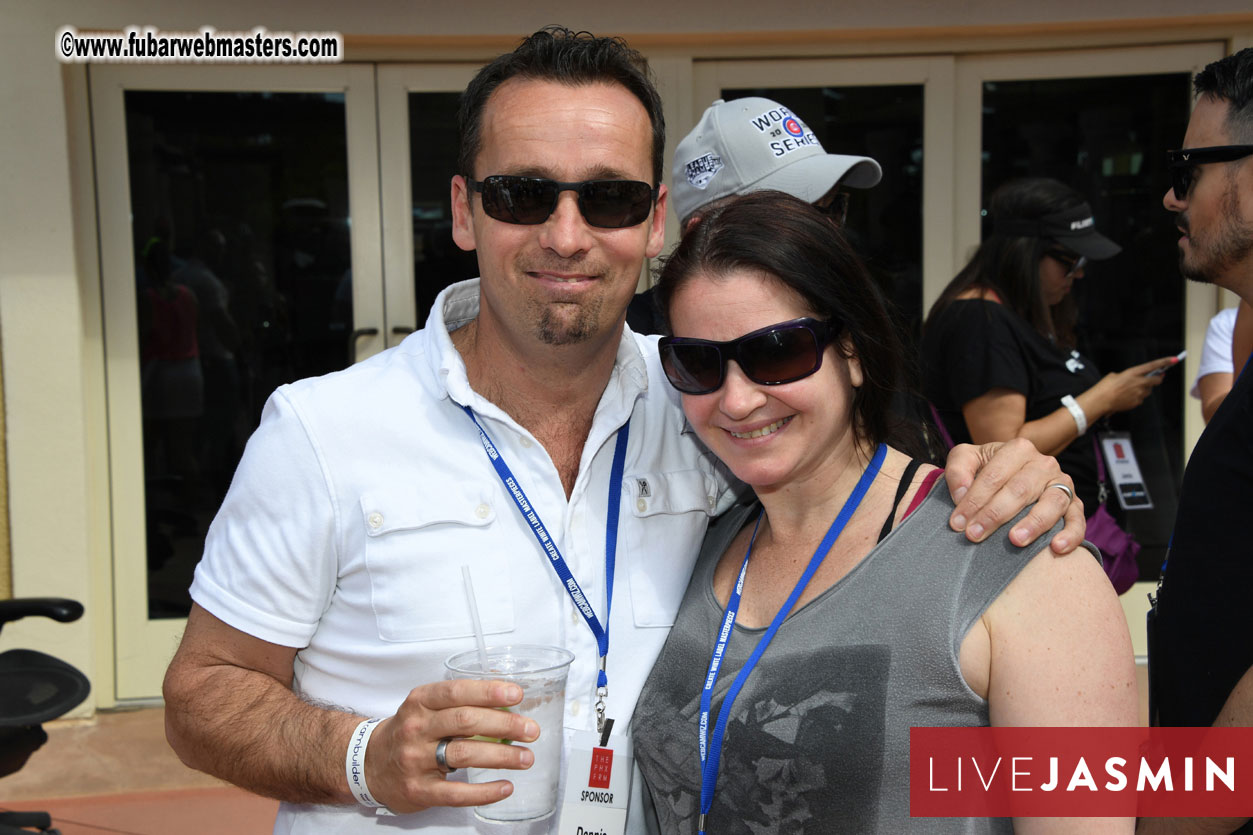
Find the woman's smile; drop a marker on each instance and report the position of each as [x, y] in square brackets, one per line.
[769, 429]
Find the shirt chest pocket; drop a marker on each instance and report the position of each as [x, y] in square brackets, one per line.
[670, 512]
[416, 543]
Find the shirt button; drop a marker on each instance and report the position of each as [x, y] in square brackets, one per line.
[712, 502]
[574, 616]
[376, 520]
[482, 511]
[574, 709]
[641, 505]
[525, 441]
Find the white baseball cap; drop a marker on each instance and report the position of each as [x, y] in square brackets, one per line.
[752, 144]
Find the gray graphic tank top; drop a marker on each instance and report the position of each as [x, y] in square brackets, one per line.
[818, 740]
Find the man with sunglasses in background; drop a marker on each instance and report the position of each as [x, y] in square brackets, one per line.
[1200, 632]
[753, 144]
[523, 435]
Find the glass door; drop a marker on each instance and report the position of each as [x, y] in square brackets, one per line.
[418, 149]
[236, 206]
[1100, 121]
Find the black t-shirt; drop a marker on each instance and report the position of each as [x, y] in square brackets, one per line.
[1202, 639]
[974, 346]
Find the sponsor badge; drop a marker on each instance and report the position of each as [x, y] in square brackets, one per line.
[1124, 471]
[598, 786]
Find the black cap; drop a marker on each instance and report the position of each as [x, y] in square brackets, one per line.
[1073, 228]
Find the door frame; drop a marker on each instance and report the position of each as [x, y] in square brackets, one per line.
[395, 83]
[142, 648]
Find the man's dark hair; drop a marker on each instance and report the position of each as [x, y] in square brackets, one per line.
[1230, 79]
[555, 53]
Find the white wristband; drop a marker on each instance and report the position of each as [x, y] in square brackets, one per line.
[354, 763]
[1076, 412]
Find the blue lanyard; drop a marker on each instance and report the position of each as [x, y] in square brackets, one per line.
[554, 553]
[711, 749]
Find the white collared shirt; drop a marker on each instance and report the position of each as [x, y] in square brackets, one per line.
[363, 493]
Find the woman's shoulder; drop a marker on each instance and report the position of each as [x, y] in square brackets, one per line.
[1057, 612]
[972, 318]
[1074, 577]
[724, 527]
[980, 293]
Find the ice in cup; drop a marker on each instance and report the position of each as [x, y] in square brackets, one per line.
[541, 673]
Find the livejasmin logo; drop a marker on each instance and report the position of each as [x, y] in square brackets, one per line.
[1080, 772]
[1023, 774]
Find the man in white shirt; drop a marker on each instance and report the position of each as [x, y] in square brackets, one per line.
[331, 590]
[1216, 371]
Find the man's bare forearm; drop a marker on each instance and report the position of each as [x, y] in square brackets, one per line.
[250, 730]
[230, 712]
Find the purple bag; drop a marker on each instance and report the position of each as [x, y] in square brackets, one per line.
[1118, 548]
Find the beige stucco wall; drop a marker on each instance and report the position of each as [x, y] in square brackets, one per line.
[50, 333]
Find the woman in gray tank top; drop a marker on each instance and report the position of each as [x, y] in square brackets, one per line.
[805, 649]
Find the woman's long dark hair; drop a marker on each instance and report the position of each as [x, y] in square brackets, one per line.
[1010, 264]
[794, 243]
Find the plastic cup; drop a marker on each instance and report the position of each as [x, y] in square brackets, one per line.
[541, 673]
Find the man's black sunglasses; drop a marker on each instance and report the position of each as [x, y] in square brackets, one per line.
[1183, 163]
[608, 204]
[771, 356]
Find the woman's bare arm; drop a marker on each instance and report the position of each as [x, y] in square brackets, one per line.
[1056, 652]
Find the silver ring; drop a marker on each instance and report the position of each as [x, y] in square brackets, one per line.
[441, 755]
[1070, 494]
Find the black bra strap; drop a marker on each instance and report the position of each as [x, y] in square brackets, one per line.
[906, 479]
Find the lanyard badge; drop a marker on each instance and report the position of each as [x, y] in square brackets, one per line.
[598, 784]
[531, 516]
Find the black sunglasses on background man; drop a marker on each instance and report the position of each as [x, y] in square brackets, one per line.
[1184, 161]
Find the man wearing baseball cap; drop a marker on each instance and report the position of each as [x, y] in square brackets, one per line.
[753, 144]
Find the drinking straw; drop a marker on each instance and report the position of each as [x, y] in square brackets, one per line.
[474, 616]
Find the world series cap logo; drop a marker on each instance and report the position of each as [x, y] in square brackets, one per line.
[701, 170]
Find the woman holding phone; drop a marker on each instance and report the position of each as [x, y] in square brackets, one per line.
[998, 350]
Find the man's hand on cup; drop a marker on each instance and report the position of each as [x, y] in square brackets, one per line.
[1011, 476]
[400, 763]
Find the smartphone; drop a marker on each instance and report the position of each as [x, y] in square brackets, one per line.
[1178, 359]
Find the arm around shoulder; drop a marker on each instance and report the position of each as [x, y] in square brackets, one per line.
[992, 482]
